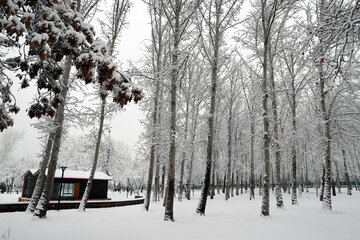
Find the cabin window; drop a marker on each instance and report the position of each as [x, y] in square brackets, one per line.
[67, 190]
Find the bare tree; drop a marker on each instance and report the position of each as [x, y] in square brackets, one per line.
[179, 15]
[157, 37]
[218, 17]
[117, 21]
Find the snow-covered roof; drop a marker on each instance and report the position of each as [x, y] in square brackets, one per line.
[73, 174]
[32, 171]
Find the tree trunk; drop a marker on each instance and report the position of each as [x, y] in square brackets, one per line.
[40, 181]
[188, 181]
[43, 203]
[333, 187]
[212, 188]
[279, 199]
[252, 167]
[238, 184]
[158, 165]
[153, 144]
[86, 195]
[266, 139]
[224, 184]
[306, 173]
[294, 156]
[326, 119]
[322, 184]
[157, 180]
[346, 174]
[229, 166]
[162, 181]
[218, 183]
[214, 75]
[169, 207]
[181, 185]
[337, 177]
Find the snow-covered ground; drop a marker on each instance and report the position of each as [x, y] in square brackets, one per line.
[13, 197]
[9, 198]
[238, 218]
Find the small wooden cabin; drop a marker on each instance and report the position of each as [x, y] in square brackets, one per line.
[73, 184]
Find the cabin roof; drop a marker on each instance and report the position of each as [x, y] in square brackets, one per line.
[72, 174]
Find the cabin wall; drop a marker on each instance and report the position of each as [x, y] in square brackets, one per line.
[98, 190]
[29, 185]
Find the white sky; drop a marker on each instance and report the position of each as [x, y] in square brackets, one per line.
[126, 126]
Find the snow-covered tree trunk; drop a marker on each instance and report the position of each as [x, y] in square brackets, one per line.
[306, 172]
[163, 173]
[293, 154]
[40, 181]
[117, 21]
[337, 177]
[157, 31]
[322, 184]
[152, 149]
[185, 149]
[43, 203]
[346, 174]
[86, 195]
[238, 184]
[252, 158]
[279, 199]
[157, 186]
[266, 138]
[218, 15]
[188, 180]
[169, 206]
[232, 184]
[324, 113]
[229, 166]
[209, 149]
[212, 187]
[156, 180]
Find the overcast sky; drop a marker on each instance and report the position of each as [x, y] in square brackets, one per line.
[131, 48]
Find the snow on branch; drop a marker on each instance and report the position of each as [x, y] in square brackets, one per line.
[51, 30]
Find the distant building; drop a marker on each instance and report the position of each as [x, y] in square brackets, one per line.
[73, 185]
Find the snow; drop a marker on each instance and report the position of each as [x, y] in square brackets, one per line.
[81, 174]
[238, 218]
[78, 36]
[76, 174]
[9, 198]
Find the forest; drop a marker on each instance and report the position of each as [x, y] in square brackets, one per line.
[257, 100]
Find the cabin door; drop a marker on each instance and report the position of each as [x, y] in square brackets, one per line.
[76, 190]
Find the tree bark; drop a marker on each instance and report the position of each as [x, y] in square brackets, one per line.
[42, 206]
[346, 174]
[266, 139]
[229, 166]
[252, 157]
[238, 184]
[326, 119]
[40, 181]
[163, 172]
[294, 156]
[192, 148]
[322, 184]
[169, 208]
[337, 177]
[153, 144]
[86, 195]
[210, 141]
[279, 199]
[212, 188]
[181, 184]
